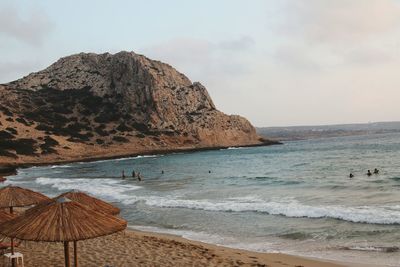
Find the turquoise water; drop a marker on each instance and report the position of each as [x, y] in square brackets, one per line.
[294, 198]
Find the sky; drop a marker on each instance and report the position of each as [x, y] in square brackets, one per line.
[275, 62]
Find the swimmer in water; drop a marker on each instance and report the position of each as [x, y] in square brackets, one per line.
[369, 173]
[376, 171]
[351, 175]
[123, 174]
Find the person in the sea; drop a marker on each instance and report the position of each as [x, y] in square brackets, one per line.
[123, 174]
[162, 172]
[209, 171]
[369, 173]
[351, 175]
[139, 176]
[133, 174]
[376, 171]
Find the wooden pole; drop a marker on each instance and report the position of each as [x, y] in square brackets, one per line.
[66, 253]
[75, 254]
[13, 261]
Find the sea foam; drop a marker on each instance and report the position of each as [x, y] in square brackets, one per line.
[210, 238]
[121, 191]
[109, 188]
[288, 208]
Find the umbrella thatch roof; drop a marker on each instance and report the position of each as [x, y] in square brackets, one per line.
[61, 220]
[15, 196]
[91, 202]
[6, 216]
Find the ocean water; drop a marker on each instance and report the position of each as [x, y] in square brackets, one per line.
[294, 198]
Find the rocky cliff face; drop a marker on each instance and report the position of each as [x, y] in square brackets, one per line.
[90, 105]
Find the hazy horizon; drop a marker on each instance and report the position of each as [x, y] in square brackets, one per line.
[334, 124]
[277, 63]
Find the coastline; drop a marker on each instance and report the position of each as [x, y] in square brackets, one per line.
[271, 259]
[11, 168]
[138, 248]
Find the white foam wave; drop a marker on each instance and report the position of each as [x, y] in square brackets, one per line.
[107, 188]
[233, 148]
[60, 166]
[210, 238]
[121, 191]
[288, 208]
[138, 157]
[14, 182]
[119, 159]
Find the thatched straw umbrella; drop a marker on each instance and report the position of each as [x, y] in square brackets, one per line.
[15, 196]
[6, 216]
[62, 220]
[91, 202]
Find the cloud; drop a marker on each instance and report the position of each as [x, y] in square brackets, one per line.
[31, 29]
[323, 34]
[341, 20]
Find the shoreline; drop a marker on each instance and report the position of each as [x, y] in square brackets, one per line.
[7, 169]
[276, 257]
[140, 248]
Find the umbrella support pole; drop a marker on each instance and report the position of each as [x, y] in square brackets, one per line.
[13, 261]
[75, 254]
[66, 253]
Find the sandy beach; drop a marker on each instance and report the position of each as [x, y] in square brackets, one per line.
[135, 248]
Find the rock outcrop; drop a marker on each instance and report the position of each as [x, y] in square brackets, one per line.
[90, 105]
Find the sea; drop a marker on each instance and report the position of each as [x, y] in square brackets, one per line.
[294, 198]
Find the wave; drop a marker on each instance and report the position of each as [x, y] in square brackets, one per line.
[296, 236]
[372, 249]
[138, 157]
[121, 191]
[233, 148]
[120, 159]
[273, 180]
[336, 187]
[14, 182]
[300, 164]
[210, 238]
[291, 208]
[60, 166]
[107, 188]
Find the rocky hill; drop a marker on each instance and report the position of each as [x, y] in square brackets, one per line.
[103, 105]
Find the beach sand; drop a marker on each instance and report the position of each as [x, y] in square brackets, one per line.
[136, 248]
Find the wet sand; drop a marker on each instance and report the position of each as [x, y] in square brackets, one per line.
[135, 248]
